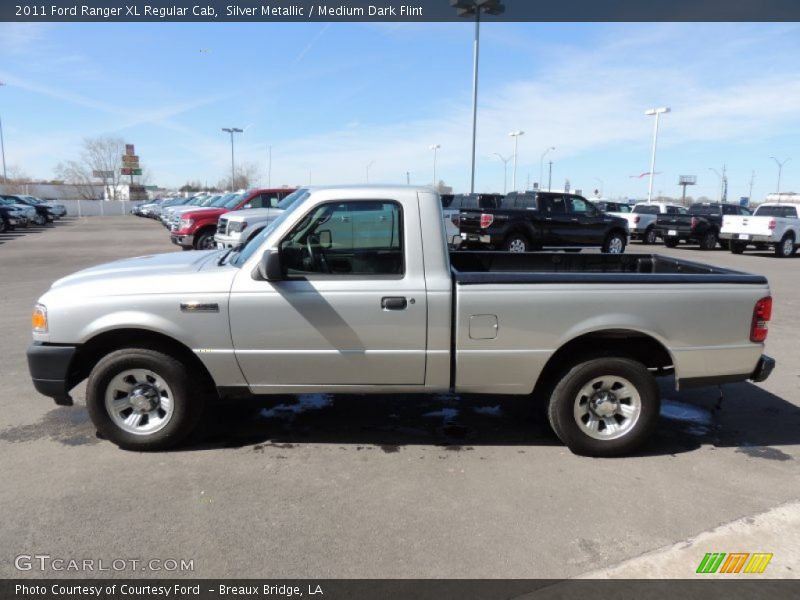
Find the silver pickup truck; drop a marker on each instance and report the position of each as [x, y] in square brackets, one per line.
[353, 290]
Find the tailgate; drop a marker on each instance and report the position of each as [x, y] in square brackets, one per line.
[747, 225]
[470, 221]
[681, 223]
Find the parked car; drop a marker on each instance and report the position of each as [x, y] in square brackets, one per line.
[701, 225]
[453, 204]
[22, 213]
[352, 290]
[642, 219]
[11, 217]
[42, 215]
[196, 228]
[240, 226]
[57, 210]
[168, 214]
[538, 220]
[775, 225]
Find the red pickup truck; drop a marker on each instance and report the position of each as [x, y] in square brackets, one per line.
[195, 229]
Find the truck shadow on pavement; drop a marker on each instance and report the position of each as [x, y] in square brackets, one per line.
[749, 418]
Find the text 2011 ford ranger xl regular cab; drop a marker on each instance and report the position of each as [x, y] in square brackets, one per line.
[352, 290]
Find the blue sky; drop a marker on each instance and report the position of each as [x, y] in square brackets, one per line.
[332, 98]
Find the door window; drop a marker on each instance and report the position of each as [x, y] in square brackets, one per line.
[580, 206]
[554, 205]
[346, 238]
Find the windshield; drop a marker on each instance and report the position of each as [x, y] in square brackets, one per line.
[233, 200]
[644, 209]
[222, 200]
[290, 203]
[208, 201]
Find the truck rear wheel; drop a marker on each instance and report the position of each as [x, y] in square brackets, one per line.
[650, 236]
[605, 407]
[142, 399]
[785, 247]
[517, 243]
[671, 241]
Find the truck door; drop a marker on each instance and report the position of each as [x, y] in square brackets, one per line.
[351, 310]
[587, 224]
[554, 220]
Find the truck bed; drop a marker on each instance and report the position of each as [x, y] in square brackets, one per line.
[471, 268]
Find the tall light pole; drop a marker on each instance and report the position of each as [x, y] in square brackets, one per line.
[721, 180]
[473, 8]
[3, 146]
[541, 165]
[550, 177]
[515, 135]
[779, 163]
[369, 164]
[434, 147]
[269, 167]
[232, 130]
[505, 168]
[657, 112]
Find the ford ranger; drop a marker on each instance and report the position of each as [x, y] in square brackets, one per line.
[353, 290]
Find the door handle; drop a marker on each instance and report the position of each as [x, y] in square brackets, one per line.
[394, 303]
[574, 220]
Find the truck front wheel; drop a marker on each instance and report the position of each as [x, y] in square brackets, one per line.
[605, 407]
[614, 244]
[205, 241]
[142, 399]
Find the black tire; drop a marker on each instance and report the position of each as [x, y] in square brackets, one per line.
[709, 240]
[671, 241]
[517, 242]
[615, 243]
[566, 395]
[650, 236]
[205, 241]
[187, 398]
[737, 247]
[785, 247]
[3, 226]
[40, 220]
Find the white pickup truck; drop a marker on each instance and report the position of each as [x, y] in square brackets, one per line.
[353, 290]
[772, 224]
[642, 219]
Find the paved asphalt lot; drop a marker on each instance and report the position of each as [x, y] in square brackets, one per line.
[377, 487]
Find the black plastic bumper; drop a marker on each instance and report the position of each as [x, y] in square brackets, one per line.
[763, 368]
[49, 368]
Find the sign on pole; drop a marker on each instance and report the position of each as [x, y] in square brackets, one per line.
[129, 151]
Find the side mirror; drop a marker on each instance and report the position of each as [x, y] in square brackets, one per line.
[325, 239]
[269, 267]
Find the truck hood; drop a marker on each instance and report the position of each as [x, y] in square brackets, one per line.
[204, 212]
[252, 214]
[170, 264]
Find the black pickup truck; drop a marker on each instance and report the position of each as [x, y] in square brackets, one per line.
[701, 225]
[537, 220]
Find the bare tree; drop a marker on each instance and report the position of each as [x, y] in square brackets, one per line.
[17, 181]
[245, 176]
[99, 163]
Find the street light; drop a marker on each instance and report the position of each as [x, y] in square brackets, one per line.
[505, 168]
[779, 163]
[473, 8]
[434, 147]
[657, 112]
[721, 180]
[541, 165]
[3, 146]
[515, 135]
[372, 162]
[232, 130]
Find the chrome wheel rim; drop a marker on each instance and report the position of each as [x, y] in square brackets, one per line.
[139, 401]
[651, 237]
[788, 246]
[615, 246]
[516, 245]
[607, 407]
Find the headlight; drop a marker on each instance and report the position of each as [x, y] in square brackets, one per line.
[185, 223]
[237, 226]
[39, 319]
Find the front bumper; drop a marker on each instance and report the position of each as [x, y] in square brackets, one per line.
[227, 241]
[49, 367]
[763, 369]
[182, 240]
